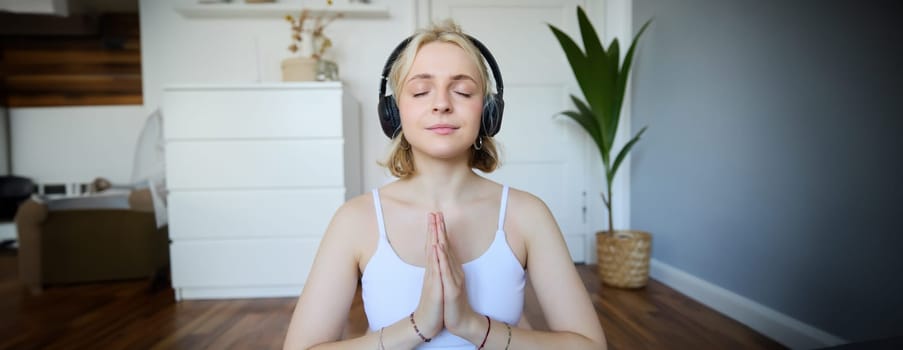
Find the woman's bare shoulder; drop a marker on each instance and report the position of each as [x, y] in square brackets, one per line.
[354, 216]
[351, 224]
[357, 204]
[531, 215]
[526, 203]
[354, 211]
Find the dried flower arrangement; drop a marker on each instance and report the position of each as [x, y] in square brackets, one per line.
[319, 41]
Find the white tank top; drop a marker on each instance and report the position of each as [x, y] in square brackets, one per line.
[494, 281]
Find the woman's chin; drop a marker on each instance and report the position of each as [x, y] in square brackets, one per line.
[446, 152]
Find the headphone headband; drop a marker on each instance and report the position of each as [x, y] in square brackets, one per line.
[388, 67]
[492, 108]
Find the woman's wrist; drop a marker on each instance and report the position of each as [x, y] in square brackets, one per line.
[473, 328]
[427, 328]
[417, 330]
[399, 335]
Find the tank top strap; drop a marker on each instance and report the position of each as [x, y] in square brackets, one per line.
[379, 214]
[503, 208]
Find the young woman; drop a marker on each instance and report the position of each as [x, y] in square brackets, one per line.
[442, 252]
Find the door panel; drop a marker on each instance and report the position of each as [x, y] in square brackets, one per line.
[541, 153]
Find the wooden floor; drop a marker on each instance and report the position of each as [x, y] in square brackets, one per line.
[132, 315]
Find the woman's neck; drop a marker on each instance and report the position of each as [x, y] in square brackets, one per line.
[441, 183]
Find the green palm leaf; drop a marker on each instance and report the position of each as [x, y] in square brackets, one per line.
[598, 131]
[603, 81]
[580, 65]
[624, 74]
[591, 43]
[614, 112]
[598, 91]
[587, 122]
[623, 153]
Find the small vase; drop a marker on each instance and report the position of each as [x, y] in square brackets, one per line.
[327, 70]
[299, 69]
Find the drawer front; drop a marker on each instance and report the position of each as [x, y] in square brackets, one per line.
[242, 263]
[252, 113]
[252, 164]
[252, 213]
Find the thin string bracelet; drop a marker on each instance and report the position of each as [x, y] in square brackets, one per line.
[509, 336]
[425, 339]
[488, 327]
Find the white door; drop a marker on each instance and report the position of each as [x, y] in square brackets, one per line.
[542, 153]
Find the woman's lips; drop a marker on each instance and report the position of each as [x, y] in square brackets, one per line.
[443, 129]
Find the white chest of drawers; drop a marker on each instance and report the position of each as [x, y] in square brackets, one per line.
[255, 173]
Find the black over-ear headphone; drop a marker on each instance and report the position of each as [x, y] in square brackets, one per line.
[493, 105]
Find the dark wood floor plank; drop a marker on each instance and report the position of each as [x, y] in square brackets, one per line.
[133, 315]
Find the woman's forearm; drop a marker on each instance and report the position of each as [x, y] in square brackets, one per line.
[399, 335]
[526, 339]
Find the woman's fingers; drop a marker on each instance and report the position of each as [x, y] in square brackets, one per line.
[432, 260]
[456, 307]
[445, 269]
[430, 227]
[436, 264]
[440, 229]
[453, 268]
[430, 312]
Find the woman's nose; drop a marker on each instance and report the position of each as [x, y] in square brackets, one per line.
[441, 104]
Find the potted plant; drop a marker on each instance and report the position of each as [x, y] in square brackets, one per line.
[623, 255]
[312, 43]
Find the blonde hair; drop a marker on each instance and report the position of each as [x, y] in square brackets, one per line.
[401, 159]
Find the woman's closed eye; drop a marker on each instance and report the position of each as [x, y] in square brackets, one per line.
[463, 88]
[464, 94]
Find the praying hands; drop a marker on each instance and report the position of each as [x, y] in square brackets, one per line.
[443, 301]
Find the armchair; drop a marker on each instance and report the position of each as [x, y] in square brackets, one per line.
[88, 245]
[116, 232]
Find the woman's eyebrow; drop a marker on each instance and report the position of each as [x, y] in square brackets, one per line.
[428, 76]
[420, 76]
[464, 77]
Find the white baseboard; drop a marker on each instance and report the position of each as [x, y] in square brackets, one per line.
[782, 328]
[213, 293]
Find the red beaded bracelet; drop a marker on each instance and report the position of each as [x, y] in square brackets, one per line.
[488, 326]
[425, 339]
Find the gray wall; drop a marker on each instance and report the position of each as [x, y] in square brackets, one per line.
[772, 163]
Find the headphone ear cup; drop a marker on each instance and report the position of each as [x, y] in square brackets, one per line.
[388, 116]
[492, 115]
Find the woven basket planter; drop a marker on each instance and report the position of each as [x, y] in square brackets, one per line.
[624, 258]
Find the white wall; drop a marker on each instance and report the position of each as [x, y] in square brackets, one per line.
[46, 7]
[75, 144]
[71, 144]
[80, 143]
[176, 49]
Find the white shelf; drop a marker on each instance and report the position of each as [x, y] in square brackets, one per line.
[279, 10]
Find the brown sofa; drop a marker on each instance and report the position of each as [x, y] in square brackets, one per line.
[88, 245]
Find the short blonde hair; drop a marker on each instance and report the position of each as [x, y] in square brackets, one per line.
[401, 160]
